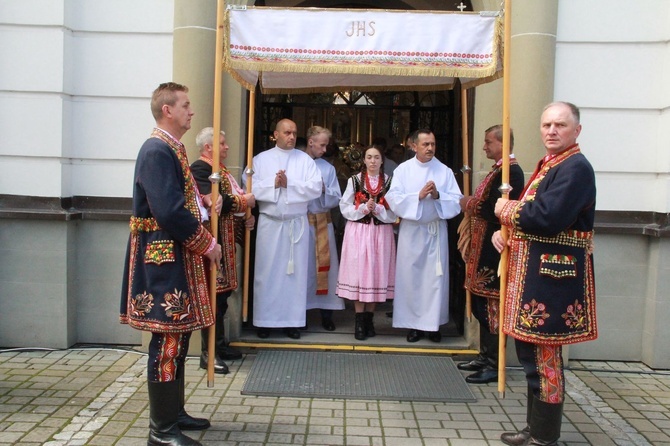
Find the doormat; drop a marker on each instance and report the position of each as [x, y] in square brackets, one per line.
[356, 376]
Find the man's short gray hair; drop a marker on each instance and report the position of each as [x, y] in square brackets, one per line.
[205, 136]
[574, 110]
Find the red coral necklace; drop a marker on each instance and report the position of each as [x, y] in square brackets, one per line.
[380, 184]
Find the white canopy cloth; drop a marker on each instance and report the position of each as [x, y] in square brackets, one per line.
[359, 49]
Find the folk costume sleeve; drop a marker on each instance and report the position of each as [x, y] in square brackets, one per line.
[483, 206]
[559, 201]
[383, 212]
[350, 209]
[201, 171]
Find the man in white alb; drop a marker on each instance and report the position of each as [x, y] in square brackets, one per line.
[285, 180]
[323, 260]
[423, 193]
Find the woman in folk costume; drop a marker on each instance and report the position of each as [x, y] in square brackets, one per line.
[367, 265]
[232, 221]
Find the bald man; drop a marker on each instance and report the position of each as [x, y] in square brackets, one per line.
[285, 180]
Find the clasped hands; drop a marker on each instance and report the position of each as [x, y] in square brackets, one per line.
[429, 189]
[280, 179]
[371, 206]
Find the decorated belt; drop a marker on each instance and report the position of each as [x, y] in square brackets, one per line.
[139, 224]
[579, 239]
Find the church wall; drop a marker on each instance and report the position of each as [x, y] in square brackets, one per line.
[75, 85]
[621, 287]
[611, 60]
[35, 286]
[656, 331]
[100, 252]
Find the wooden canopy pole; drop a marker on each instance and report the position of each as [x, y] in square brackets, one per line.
[505, 189]
[247, 235]
[466, 169]
[215, 178]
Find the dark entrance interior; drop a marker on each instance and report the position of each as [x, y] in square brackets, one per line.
[361, 117]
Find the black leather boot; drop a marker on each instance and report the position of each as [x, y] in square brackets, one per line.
[489, 347]
[327, 320]
[163, 411]
[473, 366]
[486, 375]
[521, 438]
[369, 325]
[220, 367]
[224, 352]
[491, 340]
[359, 328]
[187, 422]
[545, 423]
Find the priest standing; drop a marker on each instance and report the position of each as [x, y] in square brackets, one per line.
[285, 180]
[423, 193]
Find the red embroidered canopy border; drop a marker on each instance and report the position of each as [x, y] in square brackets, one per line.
[359, 49]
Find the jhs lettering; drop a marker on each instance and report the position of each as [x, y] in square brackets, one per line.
[361, 29]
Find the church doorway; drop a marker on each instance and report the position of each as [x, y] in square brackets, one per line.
[360, 117]
[356, 117]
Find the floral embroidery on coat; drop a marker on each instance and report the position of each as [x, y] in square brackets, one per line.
[177, 305]
[484, 277]
[575, 316]
[141, 304]
[533, 314]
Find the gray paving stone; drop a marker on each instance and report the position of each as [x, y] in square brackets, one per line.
[288, 428]
[404, 442]
[331, 440]
[352, 440]
[399, 423]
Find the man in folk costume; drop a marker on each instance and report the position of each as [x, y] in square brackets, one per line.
[482, 259]
[423, 193]
[165, 277]
[232, 220]
[323, 262]
[285, 180]
[550, 297]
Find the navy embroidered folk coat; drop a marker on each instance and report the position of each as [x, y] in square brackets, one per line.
[481, 271]
[165, 281]
[230, 226]
[551, 290]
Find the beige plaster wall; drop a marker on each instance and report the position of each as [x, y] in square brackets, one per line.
[531, 84]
